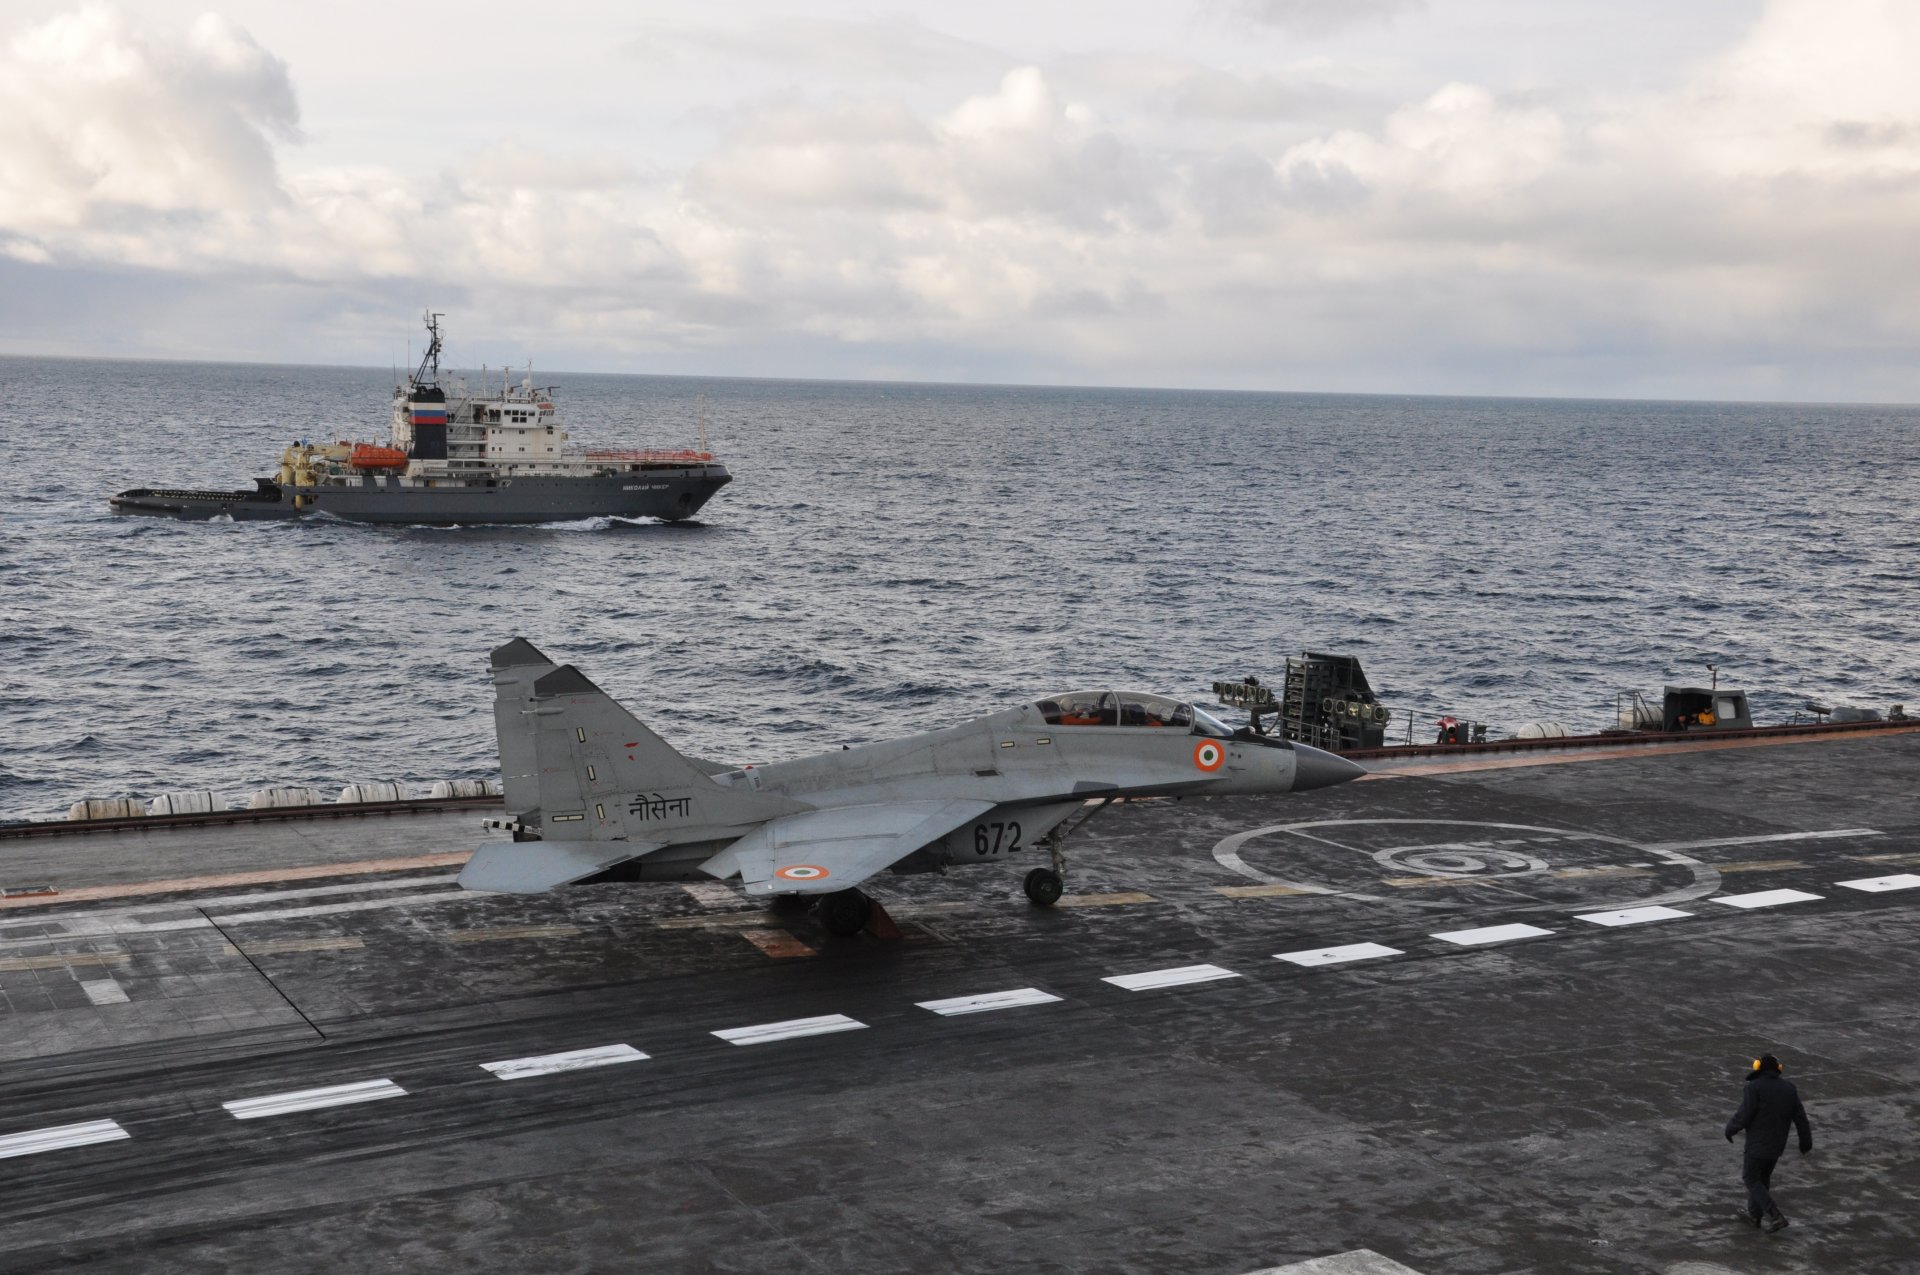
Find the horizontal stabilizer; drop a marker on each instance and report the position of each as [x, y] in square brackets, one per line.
[534, 867]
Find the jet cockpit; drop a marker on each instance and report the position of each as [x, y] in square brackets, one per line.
[1129, 708]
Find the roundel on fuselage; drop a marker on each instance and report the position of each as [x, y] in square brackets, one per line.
[1209, 755]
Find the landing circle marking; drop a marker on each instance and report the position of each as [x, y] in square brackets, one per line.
[801, 872]
[1469, 858]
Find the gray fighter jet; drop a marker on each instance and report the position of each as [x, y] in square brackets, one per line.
[595, 796]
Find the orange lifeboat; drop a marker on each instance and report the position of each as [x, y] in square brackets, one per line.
[367, 456]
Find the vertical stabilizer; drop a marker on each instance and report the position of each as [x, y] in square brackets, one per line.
[516, 667]
[603, 776]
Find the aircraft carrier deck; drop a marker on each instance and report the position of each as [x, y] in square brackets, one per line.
[1511, 1011]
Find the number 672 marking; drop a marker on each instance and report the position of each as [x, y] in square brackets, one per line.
[996, 838]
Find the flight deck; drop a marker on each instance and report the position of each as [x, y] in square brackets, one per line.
[1456, 1018]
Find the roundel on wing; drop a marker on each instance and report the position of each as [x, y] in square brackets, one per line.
[1208, 755]
[801, 872]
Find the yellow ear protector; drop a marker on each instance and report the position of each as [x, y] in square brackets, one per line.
[1778, 1065]
[1756, 1064]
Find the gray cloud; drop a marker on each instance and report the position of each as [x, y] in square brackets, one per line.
[890, 48]
[1063, 222]
[1319, 17]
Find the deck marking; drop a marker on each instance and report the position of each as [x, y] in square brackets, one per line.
[278, 947]
[1177, 976]
[1885, 858]
[104, 991]
[1874, 885]
[1103, 900]
[34, 1141]
[715, 921]
[60, 960]
[1764, 898]
[988, 1001]
[455, 895]
[571, 1060]
[1260, 891]
[1335, 955]
[280, 1104]
[127, 919]
[1359, 1261]
[763, 1033]
[1762, 865]
[1226, 852]
[1608, 870]
[1828, 835]
[509, 932]
[783, 944]
[712, 893]
[1492, 934]
[1632, 916]
[185, 885]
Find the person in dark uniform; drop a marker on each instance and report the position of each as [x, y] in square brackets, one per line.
[1770, 1104]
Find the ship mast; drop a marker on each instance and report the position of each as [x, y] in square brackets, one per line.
[429, 370]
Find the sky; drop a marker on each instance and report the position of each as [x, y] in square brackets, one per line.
[1612, 198]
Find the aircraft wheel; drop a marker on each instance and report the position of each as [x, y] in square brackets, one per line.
[1044, 886]
[845, 912]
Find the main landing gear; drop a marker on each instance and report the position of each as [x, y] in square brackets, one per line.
[845, 912]
[1044, 886]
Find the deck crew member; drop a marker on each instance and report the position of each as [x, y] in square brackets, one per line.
[1770, 1104]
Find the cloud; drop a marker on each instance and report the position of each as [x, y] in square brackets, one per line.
[102, 126]
[891, 48]
[1063, 221]
[1319, 17]
[1019, 151]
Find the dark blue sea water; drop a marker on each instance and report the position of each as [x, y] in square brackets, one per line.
[895, 557]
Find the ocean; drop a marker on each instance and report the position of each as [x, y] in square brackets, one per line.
[893, 558]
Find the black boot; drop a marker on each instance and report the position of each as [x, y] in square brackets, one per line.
[1776, 1220]
[1746, 1217]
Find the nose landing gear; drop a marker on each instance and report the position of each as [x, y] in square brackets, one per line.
[1044, 886]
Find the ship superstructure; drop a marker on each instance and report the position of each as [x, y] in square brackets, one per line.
[459, 454]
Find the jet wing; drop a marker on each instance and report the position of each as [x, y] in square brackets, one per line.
[533, 867]
[820, 851]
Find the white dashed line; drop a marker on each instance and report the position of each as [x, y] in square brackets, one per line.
[572, 1060]
[788, 1030]
[1765, 898]
[281, 1104]
[1492, 934]
[1874, 885]
[1632, 916]
[990, 1000]
[1175, 977]
[104, 991]
[34, 1141]
[1335, 955]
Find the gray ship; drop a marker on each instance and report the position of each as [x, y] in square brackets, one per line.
[458, 455]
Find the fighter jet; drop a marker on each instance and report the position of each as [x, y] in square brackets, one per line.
[592, 795]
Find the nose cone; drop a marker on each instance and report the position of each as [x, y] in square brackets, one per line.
[1316, 768]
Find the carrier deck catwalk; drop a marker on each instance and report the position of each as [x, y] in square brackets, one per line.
[1417, 1081]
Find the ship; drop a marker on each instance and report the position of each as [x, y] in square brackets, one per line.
[458, 455]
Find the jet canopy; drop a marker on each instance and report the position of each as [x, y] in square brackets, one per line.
[1127, 708]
